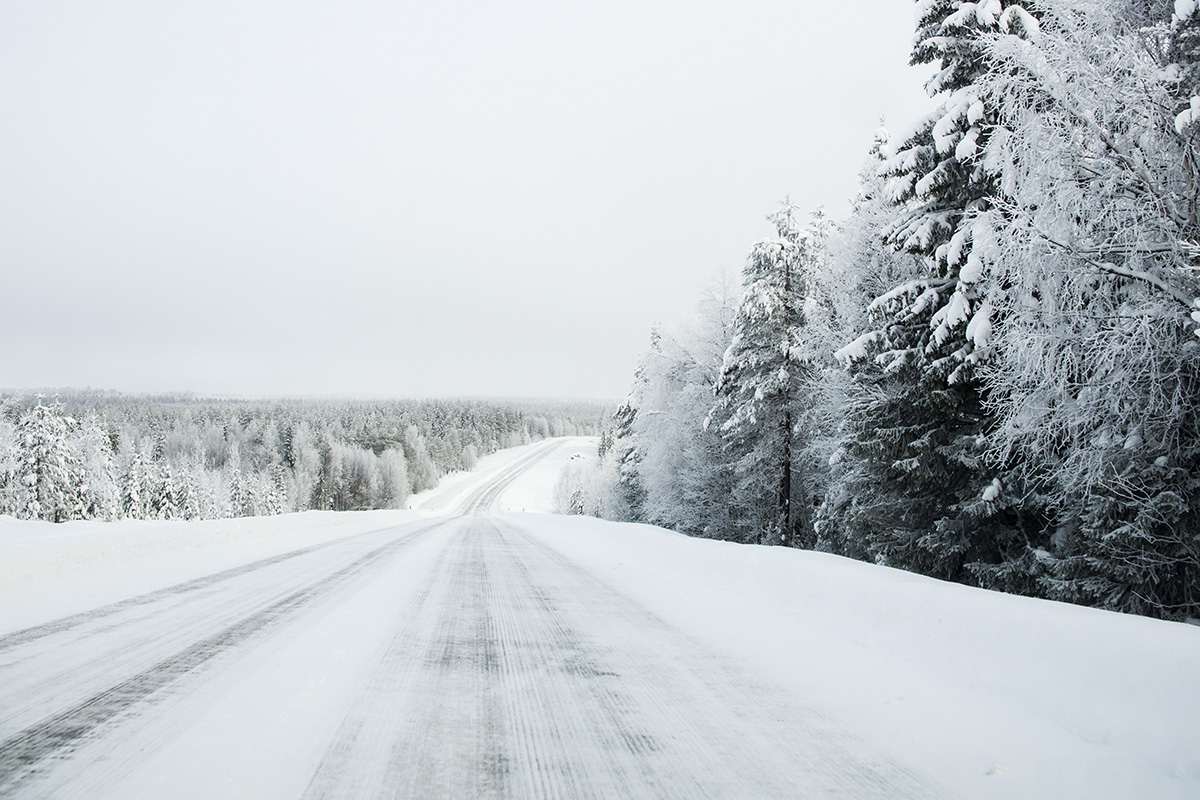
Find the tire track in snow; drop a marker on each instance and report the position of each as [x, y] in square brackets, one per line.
[397, 739]
[557, 750]
[698, 724]
[22, 755]
[516, 673]
[482, 499]
[603, 745]
[486, 690]
[410, 733]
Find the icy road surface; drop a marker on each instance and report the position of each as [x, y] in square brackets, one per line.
[454, 655]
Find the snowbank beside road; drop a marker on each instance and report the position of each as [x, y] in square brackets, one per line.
[997, 695]
[48, 571]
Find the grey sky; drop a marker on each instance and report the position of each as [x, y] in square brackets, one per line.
[428, 198]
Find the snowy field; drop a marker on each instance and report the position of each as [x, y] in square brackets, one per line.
[475, 645]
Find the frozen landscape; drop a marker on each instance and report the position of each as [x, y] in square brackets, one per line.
[477, 645]
[622, 399]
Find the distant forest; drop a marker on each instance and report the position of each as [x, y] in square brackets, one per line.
[990, 371]
[97, 455]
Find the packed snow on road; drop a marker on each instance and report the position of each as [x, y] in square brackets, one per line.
[477, 645]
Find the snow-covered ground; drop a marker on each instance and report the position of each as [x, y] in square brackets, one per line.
[48, 571]
[470, 647]
[996, 695]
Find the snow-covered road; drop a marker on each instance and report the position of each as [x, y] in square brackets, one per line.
[454, 656]
[459, 650]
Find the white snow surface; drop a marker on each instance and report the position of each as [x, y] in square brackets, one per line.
[48, 570]
[997, 695]
[1183, 10]
[469, 647]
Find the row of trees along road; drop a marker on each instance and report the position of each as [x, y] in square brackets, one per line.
[99, 455]
[989, 372]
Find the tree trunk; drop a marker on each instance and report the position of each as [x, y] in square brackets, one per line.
[785, 485]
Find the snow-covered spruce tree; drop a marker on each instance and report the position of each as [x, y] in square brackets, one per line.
[622, 460]
[1096, 384]
[857, 270]
[760, 402]
[135, 484]
[241, 491]
[165, 497]
[919, 426]
[51, 479]
[190, 506]
[328, 469]
[272, 497]
[79, 453]
[8, 467]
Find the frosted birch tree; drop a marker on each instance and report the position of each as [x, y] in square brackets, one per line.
[1096, 383]
[683, 480]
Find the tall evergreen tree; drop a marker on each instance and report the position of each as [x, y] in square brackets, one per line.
[945, 193]
[9, 485]
[189, 492]
[135, 487]
[165, 500]
[51, 477]
[859, 270]
[241, 494]
[625, 455]
[919, 427]
[759, 403]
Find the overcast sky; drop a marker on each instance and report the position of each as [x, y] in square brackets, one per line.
[408, 198]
